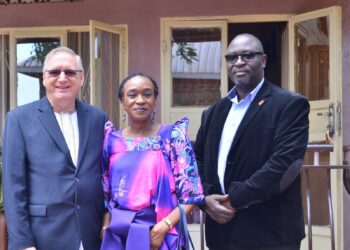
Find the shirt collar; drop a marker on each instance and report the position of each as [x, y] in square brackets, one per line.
[232, 94]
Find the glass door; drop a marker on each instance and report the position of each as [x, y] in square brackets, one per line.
[108, 66]
[315, 49]
[28, 50]
[315, 72]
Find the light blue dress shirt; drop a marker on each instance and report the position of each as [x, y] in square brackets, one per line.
[233, 120]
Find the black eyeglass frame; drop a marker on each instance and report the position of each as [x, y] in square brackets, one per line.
[67, 72]
[245, 56]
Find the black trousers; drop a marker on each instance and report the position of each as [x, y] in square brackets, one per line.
[295, 246]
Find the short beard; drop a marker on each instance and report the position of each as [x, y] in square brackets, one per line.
[244, 87]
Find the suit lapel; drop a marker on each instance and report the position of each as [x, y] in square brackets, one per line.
[48, 119]
[260, 99]
[84, 129]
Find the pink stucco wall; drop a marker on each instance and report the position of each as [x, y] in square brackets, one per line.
[143, 20]
[346, 106]
[346, 69]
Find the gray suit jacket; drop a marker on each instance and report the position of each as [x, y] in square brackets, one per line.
[50, 203]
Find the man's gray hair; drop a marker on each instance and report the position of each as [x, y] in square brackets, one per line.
[63, 50]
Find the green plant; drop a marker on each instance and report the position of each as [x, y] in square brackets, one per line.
[187, 52]
[40, 49]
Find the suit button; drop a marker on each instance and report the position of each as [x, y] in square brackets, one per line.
[78, 207]
[76, 180]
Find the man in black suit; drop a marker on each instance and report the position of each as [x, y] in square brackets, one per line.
[52, 148]
[250, 148]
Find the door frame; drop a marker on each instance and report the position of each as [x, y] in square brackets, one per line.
[335, 91]
[121, 30]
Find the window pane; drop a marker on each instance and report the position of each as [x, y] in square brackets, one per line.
[31, 54]
[196, 66]
[312, 58]
[80, 43]
[107, 73]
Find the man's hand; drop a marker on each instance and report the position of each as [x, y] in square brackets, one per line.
[218, 207]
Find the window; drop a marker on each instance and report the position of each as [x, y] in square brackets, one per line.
[192, 72]
[196, 66]
[103, 51]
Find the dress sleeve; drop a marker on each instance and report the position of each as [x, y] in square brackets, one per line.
[105, 163]
[184, 166]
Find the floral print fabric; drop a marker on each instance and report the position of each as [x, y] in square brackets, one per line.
[158, 171]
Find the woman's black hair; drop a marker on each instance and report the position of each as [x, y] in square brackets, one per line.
[132, 75]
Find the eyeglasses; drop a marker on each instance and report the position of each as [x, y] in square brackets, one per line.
[247, 56]
[67, 72]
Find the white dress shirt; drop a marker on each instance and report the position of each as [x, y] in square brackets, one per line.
[69, 127]
[233, 120]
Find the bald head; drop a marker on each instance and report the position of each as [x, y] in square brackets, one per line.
[247, 38]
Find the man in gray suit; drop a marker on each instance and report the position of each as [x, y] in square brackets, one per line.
[51, 154]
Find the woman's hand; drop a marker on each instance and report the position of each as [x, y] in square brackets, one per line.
[157, 234]
[105, 223]
[160, 229]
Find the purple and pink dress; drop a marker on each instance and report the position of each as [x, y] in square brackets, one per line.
[144, 179]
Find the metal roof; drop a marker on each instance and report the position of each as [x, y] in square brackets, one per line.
[208, 65]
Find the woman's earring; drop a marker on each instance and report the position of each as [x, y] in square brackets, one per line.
[124, 117]
[152, 116]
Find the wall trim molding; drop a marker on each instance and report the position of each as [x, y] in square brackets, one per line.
[6, 2]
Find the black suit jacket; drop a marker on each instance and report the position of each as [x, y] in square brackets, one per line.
[262, 175]
[50, 203]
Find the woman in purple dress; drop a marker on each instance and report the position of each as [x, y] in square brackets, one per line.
[148, 169]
